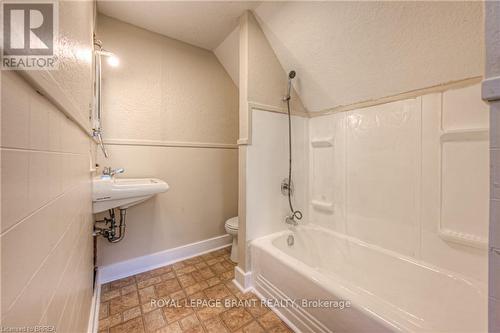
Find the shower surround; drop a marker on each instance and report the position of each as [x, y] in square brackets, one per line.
[396, 195]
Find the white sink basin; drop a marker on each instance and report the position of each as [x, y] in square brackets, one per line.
[110, 193]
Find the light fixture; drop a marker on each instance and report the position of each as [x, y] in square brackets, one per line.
[113, 61]
[111, 58]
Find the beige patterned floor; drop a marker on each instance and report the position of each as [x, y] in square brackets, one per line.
[190, 285]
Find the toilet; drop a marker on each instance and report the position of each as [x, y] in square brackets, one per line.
[232, 229]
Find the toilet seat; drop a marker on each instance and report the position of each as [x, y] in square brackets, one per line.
[232, 223]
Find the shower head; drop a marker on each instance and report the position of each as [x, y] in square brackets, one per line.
[291, 75]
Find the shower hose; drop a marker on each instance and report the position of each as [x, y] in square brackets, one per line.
[296, 214]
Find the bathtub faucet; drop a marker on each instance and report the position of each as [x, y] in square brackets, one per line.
[290, 219]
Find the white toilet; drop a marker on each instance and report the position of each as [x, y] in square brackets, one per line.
[232, 229]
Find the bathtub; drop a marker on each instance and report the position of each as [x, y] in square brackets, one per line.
[380, 290]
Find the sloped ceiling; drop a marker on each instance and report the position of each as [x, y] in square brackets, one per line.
[201, 23]
[343, 52]
[227, 53]
[347, 52]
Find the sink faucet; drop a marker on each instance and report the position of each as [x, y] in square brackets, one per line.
[107, 172]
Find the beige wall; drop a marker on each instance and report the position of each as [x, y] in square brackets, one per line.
[164, 89]
[166, 95]
[262, 85]
[46, 229]
[267, 80]
[46, 221]
[262, 80]
[70, 86]
[202, 195]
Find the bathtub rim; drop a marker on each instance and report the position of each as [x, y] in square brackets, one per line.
[386, 313]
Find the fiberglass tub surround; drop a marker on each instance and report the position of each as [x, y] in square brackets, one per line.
[397, 221]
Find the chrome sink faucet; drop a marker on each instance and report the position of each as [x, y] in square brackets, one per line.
[108, 172]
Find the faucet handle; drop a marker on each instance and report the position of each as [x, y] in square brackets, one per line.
[108, 171]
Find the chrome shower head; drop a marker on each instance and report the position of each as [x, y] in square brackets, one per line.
[291, 75]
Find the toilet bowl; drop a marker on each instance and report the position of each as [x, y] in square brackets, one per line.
[232, 229]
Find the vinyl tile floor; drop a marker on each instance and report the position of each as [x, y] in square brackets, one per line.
[194, 295]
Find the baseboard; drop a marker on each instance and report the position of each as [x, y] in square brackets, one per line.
[145, 263]
[94, 308]
[242, 280]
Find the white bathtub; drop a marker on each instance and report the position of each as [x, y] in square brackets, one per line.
[387, 291]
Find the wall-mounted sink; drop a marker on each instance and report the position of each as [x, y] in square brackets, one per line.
[108, 193]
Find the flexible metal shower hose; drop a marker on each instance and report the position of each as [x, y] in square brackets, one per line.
[296, 214]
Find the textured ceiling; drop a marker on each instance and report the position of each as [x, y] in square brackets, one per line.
[201, 23]
[228, 55]
[343, 52]
[347, 52]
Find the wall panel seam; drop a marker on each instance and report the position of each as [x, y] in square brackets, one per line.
[42, 263]
[60, 281]
[37, 210]
[58, 97]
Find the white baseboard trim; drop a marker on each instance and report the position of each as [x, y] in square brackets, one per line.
[155, 260]
[243, 280]
[93, 325]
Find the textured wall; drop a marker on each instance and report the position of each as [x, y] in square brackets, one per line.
[46, 229]
[70, 86]
[46, 226]
[164, 89]
[169, 92]
[202, 196]
[262, 81]
[342, 50]
[267, 80]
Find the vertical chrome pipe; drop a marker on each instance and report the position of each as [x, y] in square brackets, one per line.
[98, 98]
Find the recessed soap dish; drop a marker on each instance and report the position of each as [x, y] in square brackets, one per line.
[322, 142]
[323, 206]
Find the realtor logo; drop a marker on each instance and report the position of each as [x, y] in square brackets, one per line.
[28, 37]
